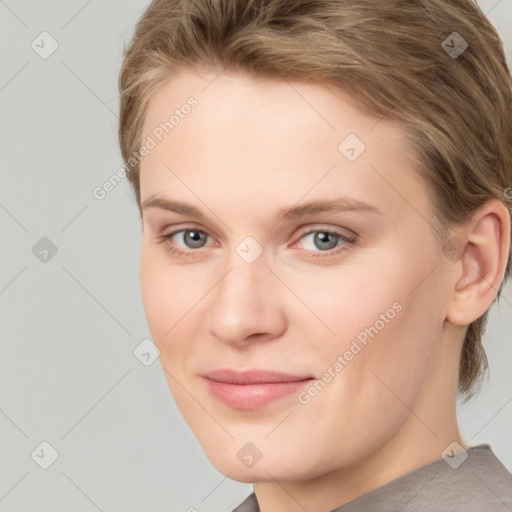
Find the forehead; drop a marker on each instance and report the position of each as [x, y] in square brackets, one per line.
[273, 139]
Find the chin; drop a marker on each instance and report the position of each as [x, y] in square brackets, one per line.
[276, 465]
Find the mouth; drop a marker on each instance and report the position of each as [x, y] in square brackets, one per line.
[253, 389]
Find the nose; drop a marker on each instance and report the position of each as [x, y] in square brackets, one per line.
[245, 305]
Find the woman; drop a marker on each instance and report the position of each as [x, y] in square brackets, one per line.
[324, 188]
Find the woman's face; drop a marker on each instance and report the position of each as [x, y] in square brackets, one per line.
[305, 247]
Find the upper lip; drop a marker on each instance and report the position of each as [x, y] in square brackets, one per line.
[253, 376]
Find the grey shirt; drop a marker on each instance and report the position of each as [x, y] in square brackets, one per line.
[471, 481]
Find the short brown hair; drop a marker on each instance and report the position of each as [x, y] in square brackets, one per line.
[397, 58]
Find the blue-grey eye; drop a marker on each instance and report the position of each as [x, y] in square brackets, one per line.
[323, 240]
[194, 239]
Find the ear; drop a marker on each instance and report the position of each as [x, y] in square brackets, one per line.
[482, 259]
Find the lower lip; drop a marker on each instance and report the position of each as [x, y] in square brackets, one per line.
[253, 396]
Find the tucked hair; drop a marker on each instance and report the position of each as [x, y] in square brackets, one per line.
[391, 56]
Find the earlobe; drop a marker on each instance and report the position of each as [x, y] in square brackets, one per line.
[482, 263]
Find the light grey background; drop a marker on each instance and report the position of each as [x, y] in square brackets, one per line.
[69, 326]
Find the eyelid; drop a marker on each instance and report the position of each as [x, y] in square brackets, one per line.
[167, 236]
[343, 232]
[178, 228]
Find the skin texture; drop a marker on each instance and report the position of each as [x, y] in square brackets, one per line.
[250, 147]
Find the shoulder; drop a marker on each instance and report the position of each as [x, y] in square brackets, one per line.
[250, 504]
[481, 482]
[471, 481]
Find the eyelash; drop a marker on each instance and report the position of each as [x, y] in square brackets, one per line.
[347, 243]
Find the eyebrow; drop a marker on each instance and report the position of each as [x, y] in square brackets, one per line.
[341, 203]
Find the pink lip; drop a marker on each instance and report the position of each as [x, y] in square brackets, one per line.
[252, 389]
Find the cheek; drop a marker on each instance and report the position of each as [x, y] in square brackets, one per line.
[354, 300]
[385, 360]
[167, 295]
[156, 297]
[385, 329]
